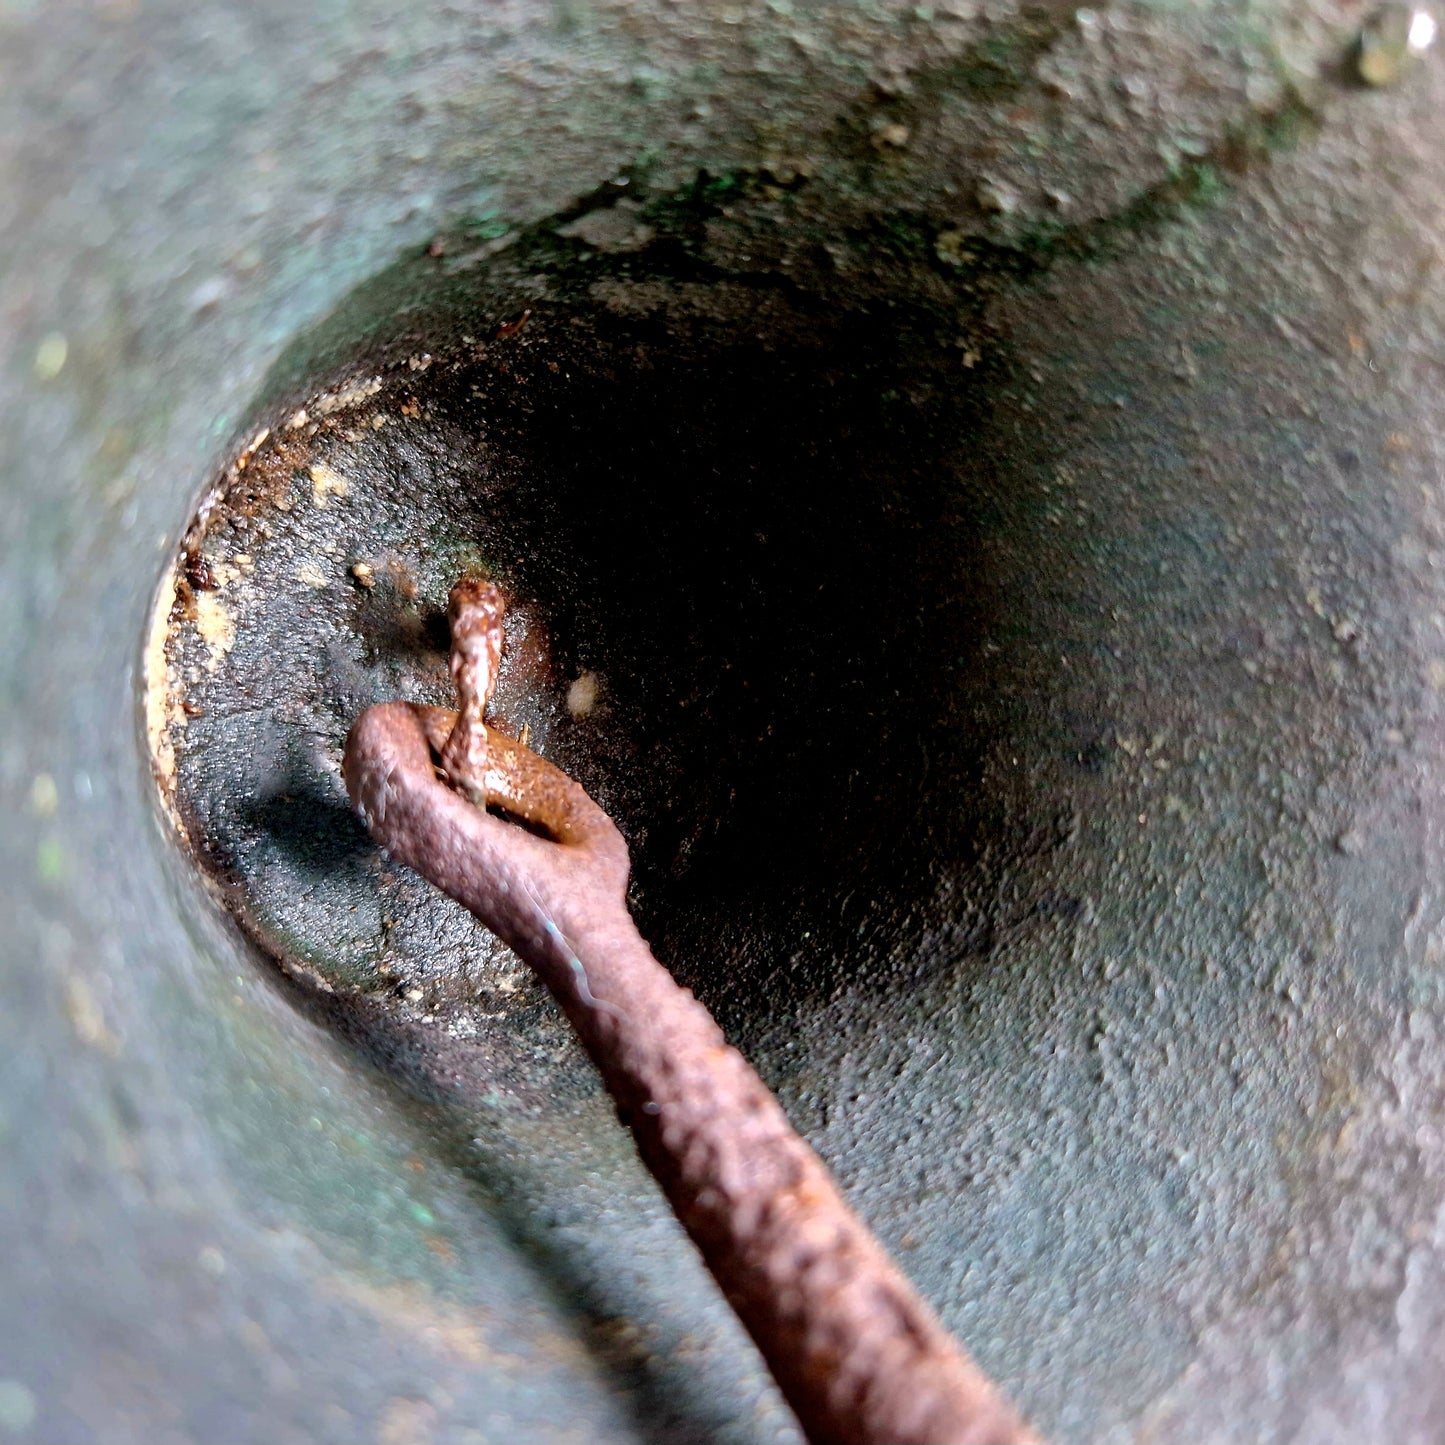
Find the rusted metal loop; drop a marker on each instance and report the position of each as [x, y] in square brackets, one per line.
[858, 1354]
[430, 826]
[523, 785]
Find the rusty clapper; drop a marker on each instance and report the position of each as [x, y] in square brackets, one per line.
[857, 1353]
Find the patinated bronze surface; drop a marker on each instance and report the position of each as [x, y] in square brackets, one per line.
[1110, 339]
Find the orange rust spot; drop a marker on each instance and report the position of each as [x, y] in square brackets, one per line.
[512, 327]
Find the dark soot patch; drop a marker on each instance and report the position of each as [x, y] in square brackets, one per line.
[750, 517]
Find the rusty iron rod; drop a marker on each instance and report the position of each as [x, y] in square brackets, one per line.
[857, 1353]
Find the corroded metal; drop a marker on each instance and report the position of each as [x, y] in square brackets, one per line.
[859, 1356]
[1145, 962]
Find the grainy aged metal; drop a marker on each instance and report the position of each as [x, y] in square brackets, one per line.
[981, 541]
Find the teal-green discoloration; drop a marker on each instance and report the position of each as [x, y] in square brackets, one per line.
[1087, 1051]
